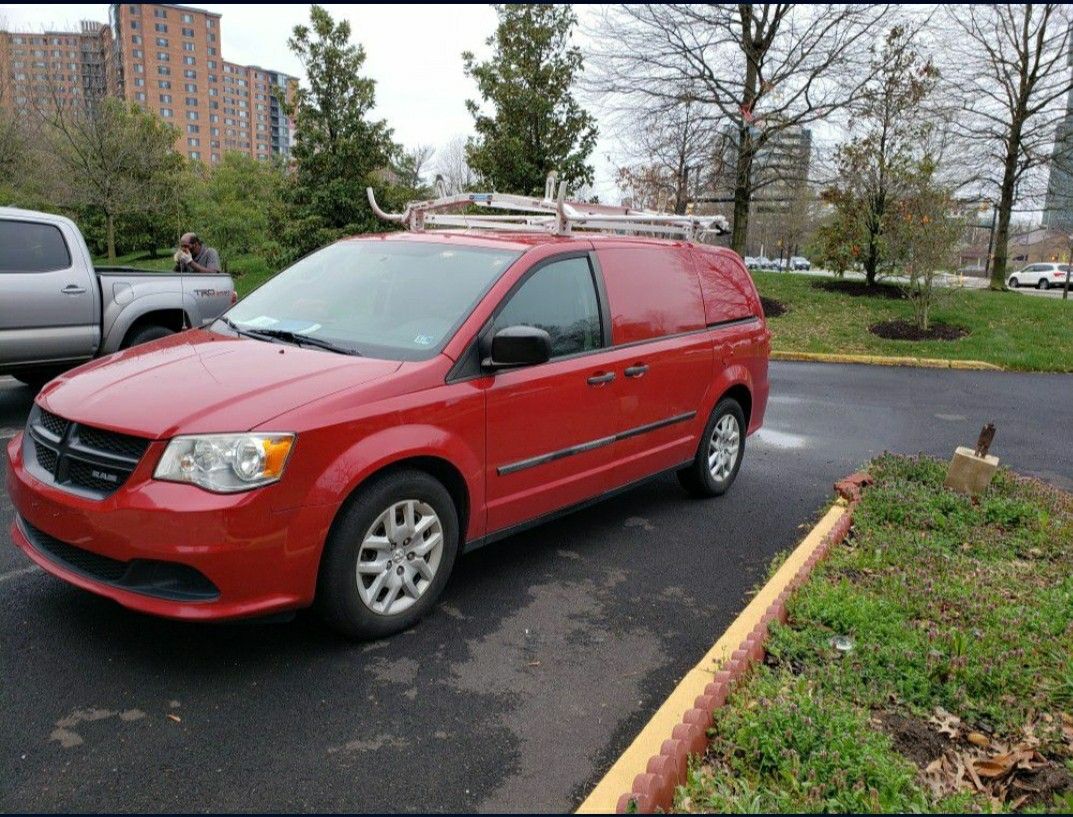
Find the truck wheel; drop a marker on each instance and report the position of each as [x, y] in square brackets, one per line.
[35, 378]
[719, 454]
[388, 556]
[146, 334]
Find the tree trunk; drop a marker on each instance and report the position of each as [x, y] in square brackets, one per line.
[1005, 207]
[742, 190]
[109, 222]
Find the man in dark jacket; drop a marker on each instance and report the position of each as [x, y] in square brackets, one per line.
[193, 256]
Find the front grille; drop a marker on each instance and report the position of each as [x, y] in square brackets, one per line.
[85, 460]
[150, 577]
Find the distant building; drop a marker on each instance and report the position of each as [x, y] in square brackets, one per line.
[1058, 209]
[1032, 246]
[40, 70]
[167, 58]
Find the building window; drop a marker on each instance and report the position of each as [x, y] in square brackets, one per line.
[134, 8]
[210, 23]
[193, 128]
[139, 82]
[163, 83]
[190, 60]
[188, 32]
[136, 39]
[139, 68]
[159, 12]
[166, 113]
[212, 51]
[195, 155]
[191, 114]
[165, 98]
[193, 142]
[163, 70]
[190, 73]
[188, 46]
[163, 56]
[134, 24]
[188, 18]
[140, 96]
[191, 101]
[138, 54]
[162, 42]
[161, 27]
[212, 66]
[190, 88]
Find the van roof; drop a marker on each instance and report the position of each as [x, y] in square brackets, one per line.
[522, 241]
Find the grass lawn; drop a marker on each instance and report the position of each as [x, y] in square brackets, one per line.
[1006, 328]
[957, 693]
[249, 271]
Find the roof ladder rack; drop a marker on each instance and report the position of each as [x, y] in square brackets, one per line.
[552, 214]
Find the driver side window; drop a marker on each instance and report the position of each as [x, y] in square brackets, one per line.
[561, 299]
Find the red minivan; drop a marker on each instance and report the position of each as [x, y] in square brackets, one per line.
[387, 403]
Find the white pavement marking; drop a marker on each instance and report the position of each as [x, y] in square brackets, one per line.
[780, 439]
[14, 574]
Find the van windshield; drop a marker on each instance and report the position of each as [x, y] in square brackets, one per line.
[399, 300]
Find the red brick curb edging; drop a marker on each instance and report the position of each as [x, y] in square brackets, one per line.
[654, 788]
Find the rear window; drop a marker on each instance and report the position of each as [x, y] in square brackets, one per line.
[29, 247]
[653, 292]
[729, 293]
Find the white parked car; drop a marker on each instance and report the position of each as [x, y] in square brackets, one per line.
[1043, 276]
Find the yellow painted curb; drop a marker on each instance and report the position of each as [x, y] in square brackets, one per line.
[619, 779]
[882, 360]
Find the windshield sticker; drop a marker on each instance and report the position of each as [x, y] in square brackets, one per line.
[423, 340]
[260, 322]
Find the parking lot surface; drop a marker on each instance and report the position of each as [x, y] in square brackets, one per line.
[548, 653]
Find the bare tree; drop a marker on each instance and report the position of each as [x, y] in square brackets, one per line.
[452, 165]
[766, 69]
[1012, 73]
[673, 150]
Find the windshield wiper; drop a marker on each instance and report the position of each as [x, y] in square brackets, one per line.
[298, 339]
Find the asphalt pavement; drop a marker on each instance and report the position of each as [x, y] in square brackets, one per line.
[547, 654]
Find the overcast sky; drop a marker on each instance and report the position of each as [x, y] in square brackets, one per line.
[413, 54]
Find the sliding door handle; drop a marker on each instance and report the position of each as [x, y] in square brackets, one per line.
[637, 370]
[600, 379]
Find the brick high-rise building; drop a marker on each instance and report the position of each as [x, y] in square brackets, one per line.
[41, 69]
[168, 58]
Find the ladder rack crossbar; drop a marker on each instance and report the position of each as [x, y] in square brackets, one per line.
[553, 215]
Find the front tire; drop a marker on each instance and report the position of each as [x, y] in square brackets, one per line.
[1014, 283]
[719, 454]
[1044, 283]
[388, 556]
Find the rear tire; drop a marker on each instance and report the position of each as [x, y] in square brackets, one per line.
[146, 334]
[719, 454]
[388, 555]
[35, 378]
[1044, 283]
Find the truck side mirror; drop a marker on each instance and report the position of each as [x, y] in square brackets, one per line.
[519, 346]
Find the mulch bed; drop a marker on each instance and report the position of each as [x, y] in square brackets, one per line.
[860, 289]
[772, 308]
[907, 330]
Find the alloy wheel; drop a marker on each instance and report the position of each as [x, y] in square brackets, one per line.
[723, 447]
[399, 557]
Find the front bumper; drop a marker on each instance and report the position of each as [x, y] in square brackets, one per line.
[169, 549]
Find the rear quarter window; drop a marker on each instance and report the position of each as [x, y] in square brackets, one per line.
[727, 287]
[653, 292]
[26, 246]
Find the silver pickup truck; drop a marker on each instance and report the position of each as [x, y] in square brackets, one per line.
[57, 310]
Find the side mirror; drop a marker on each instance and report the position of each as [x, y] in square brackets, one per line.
[519, 346]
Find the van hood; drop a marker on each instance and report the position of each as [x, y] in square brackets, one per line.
[199, 382]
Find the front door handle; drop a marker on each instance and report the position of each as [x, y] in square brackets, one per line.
[73, 289]
[600, 379]
[637, 370]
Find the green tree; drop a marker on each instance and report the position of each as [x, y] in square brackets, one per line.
[338, 148]
[890, 124]
[536, 125]
[232, 206]
[114, 159]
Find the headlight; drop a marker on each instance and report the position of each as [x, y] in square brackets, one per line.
[225, 463]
